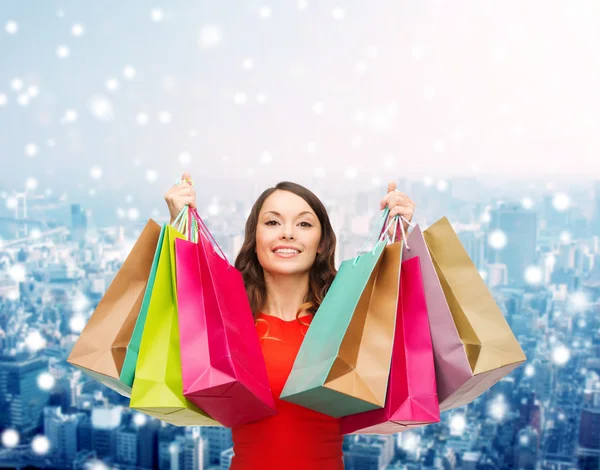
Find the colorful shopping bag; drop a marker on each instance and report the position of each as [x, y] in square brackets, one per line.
[157, 388]
[224, 371]
[411, 398]
[133, 348]
[101, 347]
[343, 364]
[488, 344]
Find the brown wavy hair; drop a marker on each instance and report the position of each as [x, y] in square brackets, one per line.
[322, 271]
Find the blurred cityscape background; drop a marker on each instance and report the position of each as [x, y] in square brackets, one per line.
[484, 112]
[538, 253]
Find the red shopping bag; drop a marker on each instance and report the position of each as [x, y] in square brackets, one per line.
[223, 367]
[411, 398]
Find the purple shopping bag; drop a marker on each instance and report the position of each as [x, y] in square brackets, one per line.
[411, 399]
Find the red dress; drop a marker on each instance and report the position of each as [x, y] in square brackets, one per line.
[296, 438]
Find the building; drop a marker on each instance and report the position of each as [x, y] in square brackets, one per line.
[520, 227]
[21, 400]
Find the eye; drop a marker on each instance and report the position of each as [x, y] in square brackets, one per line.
[307, 224]
[269, 222]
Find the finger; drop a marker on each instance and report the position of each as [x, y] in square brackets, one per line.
[406, 211]
[186, 190]
[186, 176]
[391, 186]
[398, 201]
[400, 193]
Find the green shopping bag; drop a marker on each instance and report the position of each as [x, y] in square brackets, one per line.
[133, 348]
[157, 387]
[343, 365]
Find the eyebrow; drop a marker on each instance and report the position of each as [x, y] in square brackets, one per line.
[279, 215]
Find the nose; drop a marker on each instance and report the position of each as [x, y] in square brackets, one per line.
[287, 232]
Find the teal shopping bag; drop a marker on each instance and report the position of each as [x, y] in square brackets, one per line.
[133, 348]
[343, 365]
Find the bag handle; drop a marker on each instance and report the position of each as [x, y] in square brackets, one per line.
[203, 229]
[382, 220]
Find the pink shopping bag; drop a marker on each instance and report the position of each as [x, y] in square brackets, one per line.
[411, 398]
[223, 367]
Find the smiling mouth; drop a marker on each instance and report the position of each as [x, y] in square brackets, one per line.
[286, 253]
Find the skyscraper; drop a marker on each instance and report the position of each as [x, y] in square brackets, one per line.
[78, 223]
[519, 225]
[21, 400]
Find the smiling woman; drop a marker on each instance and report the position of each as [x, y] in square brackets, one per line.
[289, 245]
[287, 262]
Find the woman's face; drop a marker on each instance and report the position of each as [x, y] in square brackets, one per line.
[286, 220]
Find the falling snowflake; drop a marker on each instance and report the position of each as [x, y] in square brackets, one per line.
[112, 84]
[23, 99]
[70, 115]
[389, 162]
[31, 150]
[17, 272]
[96, 172]
[100, 108]
[3, 99]
[266, 158]
[151, 175]
[40, 445]
[533, 275]
[372, 52]
[129, 72]
[261, 98]
[31, 184]
[497, 239]
[318, 107]
[33, 91]
[16, 84]
[142, 119]
[442, 186]
[35, 341]
[361, 66]
[561, 202]
[240, 98]
[248, 63]
[351, 173]
[458, 423]
[10, 438]
[133, 213]
[498, 408]
[62, 52]
[338, 13]
[45, 381]
[156, 15]
[561, 355]
[265, 12]
[527, 202]
[565, 237]
[529, 370]
[11, 27]
[210, 36]
[77, 30]
[139, 419]
[164, 117]
[301, 4]
[185, 158]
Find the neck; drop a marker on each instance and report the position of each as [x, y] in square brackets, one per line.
[285, 294]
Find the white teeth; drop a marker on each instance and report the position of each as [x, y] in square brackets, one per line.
[287, 252]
